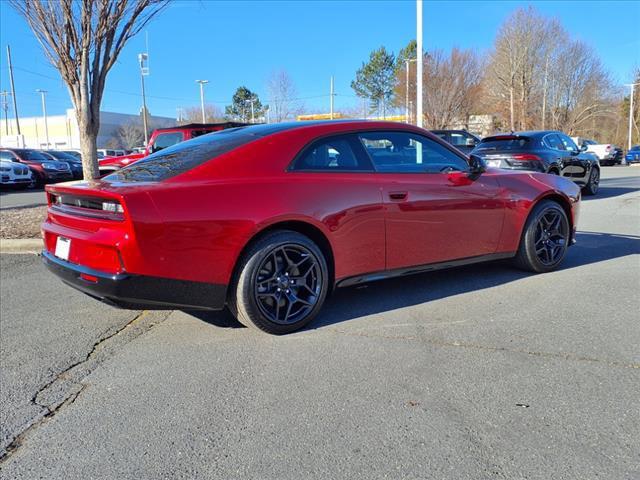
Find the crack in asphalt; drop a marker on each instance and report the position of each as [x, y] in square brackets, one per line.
[66, 386]
[474, 346]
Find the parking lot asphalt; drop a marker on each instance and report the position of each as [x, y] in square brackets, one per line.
[477, 372]
[31, 197]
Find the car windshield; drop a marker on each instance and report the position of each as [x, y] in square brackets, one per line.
[182, 157]
[635, 148]
[503, 143]
[62, 156]
[32, 155]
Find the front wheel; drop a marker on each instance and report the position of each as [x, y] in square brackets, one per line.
[545, 238]
[592, 186]
[281, 284]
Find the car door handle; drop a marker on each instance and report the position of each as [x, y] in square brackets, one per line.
[398, 195]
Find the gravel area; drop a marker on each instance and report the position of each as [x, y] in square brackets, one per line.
[21, 222]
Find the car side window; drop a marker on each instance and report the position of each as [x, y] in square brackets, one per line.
[462, 140]
[553, 141]
[337, 153]
[403, 152]
[568, 143]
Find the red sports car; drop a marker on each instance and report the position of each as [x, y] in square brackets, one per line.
[268, 219]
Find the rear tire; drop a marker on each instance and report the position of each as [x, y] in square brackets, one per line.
[280, 284]
[545, 238]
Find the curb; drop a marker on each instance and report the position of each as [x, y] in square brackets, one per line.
[20, 245]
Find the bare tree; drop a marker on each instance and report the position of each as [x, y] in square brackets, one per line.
[131, 135]
[212, 114]
[82, 39]
[519, 63]
[283, 104]
[452, 86]
[580, 90]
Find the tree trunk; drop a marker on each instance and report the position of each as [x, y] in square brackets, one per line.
[88, 141]
[511, 108]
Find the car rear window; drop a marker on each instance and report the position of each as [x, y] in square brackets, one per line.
[503, 143]
[182, 157]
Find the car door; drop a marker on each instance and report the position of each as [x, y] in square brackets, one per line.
[434, 210]
[576, 165]
[337, 184]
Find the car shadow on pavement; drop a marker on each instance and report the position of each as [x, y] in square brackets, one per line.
[378, 297]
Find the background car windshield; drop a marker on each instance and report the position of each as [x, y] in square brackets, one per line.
[507, 143]
[635, 148]
[62, 156]
[32, 155]
[182, 157]
[165, 140]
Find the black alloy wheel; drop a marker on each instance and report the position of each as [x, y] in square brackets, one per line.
[288, 283]
[550, 237]
[545, 238]
[280, 283]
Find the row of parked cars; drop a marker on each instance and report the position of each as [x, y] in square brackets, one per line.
[25, 167]
[545, 151]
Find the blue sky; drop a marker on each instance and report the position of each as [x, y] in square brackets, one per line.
[242, 43]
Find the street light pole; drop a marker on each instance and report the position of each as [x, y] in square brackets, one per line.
[331, 94]
[419, 57]
[632, 85]
[202, 84]
[44, 114]
[251, 100]
[406, 93]
[143, 57]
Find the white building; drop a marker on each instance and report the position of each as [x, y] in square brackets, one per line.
[63, 130]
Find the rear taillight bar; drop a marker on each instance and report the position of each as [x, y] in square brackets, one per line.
[94, 207]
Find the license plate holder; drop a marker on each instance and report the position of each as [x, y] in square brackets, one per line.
[63, 246]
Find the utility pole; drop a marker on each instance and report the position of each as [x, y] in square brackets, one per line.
[331, 95]
[142, 58]
[419, 58]
[44, 114]
[5, 108]
[406, 96]
[202, 84]
[632, 85]
[251, 100]
[13, 89]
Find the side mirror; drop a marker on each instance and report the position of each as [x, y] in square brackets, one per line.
[476, 165]
[584, 147]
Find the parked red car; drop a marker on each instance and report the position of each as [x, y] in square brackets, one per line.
[44, 168]
[268, 219]
[163, 138]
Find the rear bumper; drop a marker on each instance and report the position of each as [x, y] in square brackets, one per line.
[138, 291]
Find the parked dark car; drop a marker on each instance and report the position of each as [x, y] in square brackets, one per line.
[74, 162]
[44, 169]
[542, 151]
[617, 156]
[633, 155]
[461, 139]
